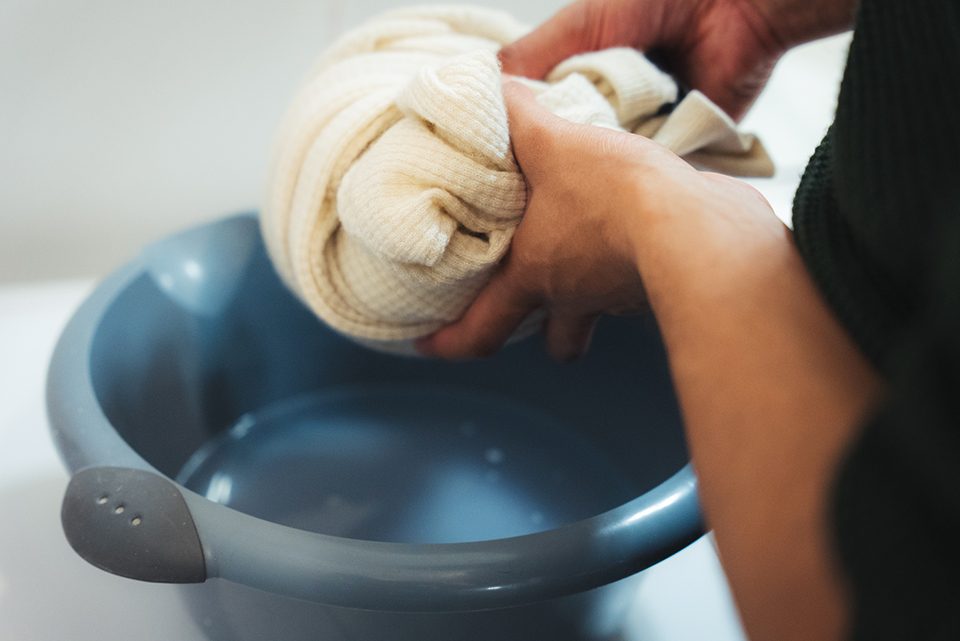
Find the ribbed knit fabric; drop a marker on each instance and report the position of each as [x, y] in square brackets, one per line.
[393, 191]
[877, 219]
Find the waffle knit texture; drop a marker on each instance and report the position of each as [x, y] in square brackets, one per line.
[877, 220]
[393, 191]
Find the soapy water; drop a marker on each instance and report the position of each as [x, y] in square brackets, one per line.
[408, 464]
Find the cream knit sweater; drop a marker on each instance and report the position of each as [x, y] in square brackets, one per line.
[393, 192]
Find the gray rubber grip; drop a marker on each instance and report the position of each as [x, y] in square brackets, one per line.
[132, 523]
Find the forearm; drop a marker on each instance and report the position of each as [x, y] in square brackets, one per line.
[799, 21]
[771, 390]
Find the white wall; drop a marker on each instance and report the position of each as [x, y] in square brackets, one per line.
[123, 120]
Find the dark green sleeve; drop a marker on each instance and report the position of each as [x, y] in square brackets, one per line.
[896, 505]
[877, 220]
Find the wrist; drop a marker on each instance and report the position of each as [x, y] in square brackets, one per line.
[705, 240]
[794, 22]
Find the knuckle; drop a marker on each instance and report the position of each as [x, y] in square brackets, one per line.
[552, 285]
[521, 286]
[517, 261]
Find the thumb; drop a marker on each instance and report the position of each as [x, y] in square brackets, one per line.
[586, 25]
[534, 130]
[535, 54]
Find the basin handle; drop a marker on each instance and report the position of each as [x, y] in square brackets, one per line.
[132, 523]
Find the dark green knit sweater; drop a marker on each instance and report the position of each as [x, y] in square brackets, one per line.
[877, 219]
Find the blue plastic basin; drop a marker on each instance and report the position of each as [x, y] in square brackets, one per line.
[299, 486]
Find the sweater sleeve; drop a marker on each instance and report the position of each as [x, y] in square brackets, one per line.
[896, 505]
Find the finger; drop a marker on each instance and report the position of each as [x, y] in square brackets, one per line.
[487, 324]
[568, 337]
[587, 25]
[535, 54]
[533, 128]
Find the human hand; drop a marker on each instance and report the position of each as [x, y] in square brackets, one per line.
[596, 197]
[570, 252]
[725, 48]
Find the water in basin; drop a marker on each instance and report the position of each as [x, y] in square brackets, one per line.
[418, 463]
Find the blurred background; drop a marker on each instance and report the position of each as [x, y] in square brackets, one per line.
[122, 121]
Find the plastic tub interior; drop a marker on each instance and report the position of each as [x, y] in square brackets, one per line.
[300, 486]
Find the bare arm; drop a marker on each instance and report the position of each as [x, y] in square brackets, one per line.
[772, 391]
[770, 386]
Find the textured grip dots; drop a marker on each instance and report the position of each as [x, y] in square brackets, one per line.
[132, 523]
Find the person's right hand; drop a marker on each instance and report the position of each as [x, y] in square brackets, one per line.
[724, 48]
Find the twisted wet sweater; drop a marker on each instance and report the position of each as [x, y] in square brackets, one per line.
[877, 219]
